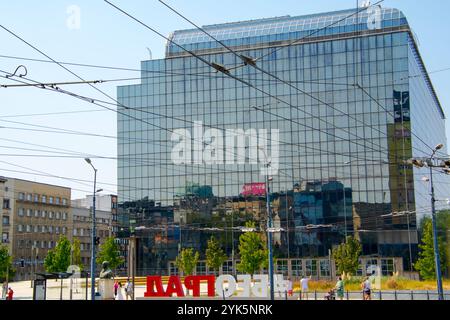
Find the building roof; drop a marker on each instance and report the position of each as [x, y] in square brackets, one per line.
[304, 25]
[34, 182]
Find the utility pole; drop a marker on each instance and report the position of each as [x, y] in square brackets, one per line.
[420, 164]
[93, 233]
[132, 262]
[435, 239]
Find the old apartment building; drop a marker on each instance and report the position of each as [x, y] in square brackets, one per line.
[34, 216]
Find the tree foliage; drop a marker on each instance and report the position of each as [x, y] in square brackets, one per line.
[215, 256]
[5, 264]
[346, 256]
[76, 253]
[253, 252]
[110, 251]
[426, 262]
[58, 259]
[187, 261]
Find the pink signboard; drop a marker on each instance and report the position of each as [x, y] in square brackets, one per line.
[254, 189]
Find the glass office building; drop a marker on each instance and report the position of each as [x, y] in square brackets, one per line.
[351, 99]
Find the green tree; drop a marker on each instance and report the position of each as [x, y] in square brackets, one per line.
[252, 251]
[110, 251]
[49, 261]
[58, 259]
[215, 256]
[346, 256]
[76, 253]
[187, 261]
[5, 264]
[426, 263]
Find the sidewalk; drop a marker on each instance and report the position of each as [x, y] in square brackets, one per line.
[23, 291]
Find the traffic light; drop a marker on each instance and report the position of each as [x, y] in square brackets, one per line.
[97, 241]
[22, 263]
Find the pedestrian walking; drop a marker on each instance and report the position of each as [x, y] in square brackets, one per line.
[367, 290]
[4, 290]
[304, 284]
[119, 292]
[290, 289]
[340, 288]
[10, 294]
[116, 285]
[129, 289]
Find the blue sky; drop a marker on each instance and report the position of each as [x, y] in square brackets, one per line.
[106, 37]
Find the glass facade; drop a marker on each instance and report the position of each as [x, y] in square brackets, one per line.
[357, 103]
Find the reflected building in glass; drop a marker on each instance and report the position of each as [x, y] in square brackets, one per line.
[352, 102]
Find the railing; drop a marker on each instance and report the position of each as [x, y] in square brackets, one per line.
[375, 295]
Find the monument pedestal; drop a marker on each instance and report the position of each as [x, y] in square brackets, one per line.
[106, 289]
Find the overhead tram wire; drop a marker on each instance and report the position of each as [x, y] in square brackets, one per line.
[227, 72]
[283, 173]
[48, 114]
[252, 62]
[205, 75]
[112, 137]
[47, 56]
[93, 101]
[210, 75]
[299, 144]
[113, 98]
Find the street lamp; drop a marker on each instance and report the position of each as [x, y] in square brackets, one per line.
[420, 164]
[93, 232]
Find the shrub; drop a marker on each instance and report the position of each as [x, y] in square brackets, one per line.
[392, 284]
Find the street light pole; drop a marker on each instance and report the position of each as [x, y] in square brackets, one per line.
[420, 164]
[435, 236]
[93, 233]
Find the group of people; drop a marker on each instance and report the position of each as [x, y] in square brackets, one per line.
[118, 290]
[338, 290]
[7, 292]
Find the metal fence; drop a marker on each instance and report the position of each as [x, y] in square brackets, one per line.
[376, 295]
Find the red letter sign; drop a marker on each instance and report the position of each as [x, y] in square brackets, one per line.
[193, 283]
[153, 281]
[174, 285]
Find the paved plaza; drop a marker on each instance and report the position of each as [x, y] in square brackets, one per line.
[56, 291]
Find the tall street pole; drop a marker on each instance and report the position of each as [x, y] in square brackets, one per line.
[269, 236]
[93, 233]
[435, 239]
[132, 263]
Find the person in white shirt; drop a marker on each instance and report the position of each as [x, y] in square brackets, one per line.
[119, 292]
[366, 286]
[129, 289]
[304, 287]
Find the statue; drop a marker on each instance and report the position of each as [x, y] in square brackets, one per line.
[106, 273]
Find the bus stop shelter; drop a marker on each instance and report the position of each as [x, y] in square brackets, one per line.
[40, 284]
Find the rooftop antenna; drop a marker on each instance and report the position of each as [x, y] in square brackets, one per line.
[150, 53]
